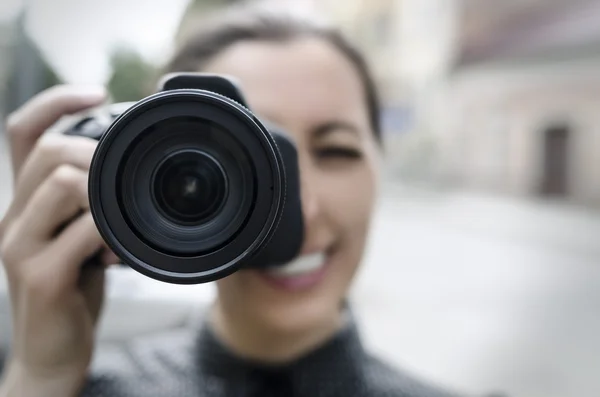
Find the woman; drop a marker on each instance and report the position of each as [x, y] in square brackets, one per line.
[284, 333]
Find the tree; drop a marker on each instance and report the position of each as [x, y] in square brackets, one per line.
[28, 72]
[132, 77]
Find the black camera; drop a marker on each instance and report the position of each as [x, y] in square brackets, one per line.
[187, 186]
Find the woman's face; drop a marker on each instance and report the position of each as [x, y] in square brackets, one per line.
[313, 92]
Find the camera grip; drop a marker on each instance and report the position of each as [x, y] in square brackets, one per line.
[287, 240]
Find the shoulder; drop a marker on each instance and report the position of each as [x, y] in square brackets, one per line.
[153, 365]
[383, 380]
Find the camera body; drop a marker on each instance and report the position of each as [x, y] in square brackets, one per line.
[187, 186]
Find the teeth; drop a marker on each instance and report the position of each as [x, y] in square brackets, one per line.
[302, 265]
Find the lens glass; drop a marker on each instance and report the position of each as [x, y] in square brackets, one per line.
[187, 186]
[190, 187]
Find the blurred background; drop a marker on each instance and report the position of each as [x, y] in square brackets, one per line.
[483, 272]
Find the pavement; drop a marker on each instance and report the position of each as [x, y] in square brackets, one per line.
[478, 293]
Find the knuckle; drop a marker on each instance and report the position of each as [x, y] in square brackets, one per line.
[66, 178]
[13, 125]
[51, 146]
[16, 120]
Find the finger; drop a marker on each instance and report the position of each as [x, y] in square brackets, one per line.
[109, 258]
[77, 243]
[29, 122]
[50, 152]
[57, 200]
[55, 268]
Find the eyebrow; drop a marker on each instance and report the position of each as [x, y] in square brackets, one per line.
[338, 125]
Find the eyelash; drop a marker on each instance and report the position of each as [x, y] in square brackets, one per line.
[339, 152]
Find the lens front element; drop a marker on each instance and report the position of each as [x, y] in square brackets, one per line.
[190, 187]
[186, 186]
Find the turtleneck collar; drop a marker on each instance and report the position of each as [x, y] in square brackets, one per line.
[317, 373]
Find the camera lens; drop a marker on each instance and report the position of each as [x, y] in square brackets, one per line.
[187, 186]
[190, 187]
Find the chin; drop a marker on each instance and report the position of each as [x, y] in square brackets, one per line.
[296, 317]
[300, 297]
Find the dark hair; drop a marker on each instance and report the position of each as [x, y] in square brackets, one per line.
[256, 23]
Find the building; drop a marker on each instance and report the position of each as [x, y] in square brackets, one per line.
[518, 110]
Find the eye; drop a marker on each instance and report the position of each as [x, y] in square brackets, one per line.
[338, 152]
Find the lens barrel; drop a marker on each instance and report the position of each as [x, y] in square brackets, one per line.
[187, 186]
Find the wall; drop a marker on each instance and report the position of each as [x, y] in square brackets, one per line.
[492, 137]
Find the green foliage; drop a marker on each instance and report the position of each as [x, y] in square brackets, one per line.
[132, 77]
[49, 77]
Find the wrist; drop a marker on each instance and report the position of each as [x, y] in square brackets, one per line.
[19, 381]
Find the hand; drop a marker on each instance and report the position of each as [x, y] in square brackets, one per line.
[45, 237]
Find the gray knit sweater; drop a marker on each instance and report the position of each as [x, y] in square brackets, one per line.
[194, 363]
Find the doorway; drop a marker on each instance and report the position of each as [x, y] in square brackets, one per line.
[555, 172]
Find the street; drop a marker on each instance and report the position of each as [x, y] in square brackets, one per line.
[478, 293]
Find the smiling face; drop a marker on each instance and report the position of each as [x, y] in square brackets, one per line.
[308, 88]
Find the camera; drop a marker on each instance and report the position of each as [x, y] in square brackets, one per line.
[187, 185]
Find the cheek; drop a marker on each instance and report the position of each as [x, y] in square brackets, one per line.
[230, 287]
[348, 200]
[349, 197]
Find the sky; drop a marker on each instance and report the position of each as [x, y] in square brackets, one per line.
[9, 9]
[76, 36]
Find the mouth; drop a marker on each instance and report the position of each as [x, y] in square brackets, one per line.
[303, 273]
